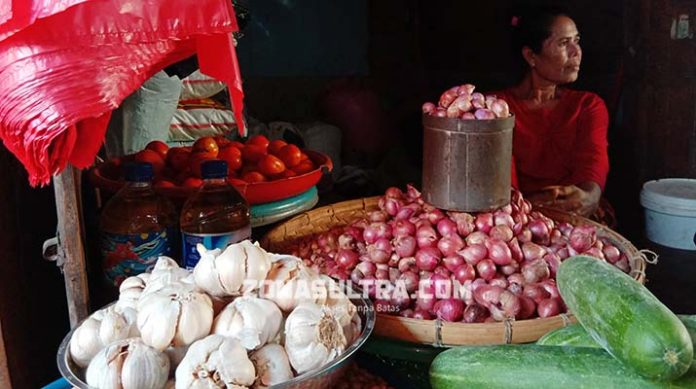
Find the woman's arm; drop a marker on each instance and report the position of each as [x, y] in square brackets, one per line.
[590, 157]
[582, 198]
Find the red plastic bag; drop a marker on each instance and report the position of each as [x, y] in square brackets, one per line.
[62, 73]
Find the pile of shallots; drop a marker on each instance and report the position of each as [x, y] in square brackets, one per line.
[458, 266]
[462, 102]
[235, 321]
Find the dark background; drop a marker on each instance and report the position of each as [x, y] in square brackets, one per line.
[405, 52]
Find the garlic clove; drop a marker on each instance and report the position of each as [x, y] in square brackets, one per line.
[242, 372]
[157, 318]
[204, 274]
[113, 326]
[144, 367]
[258, 263]
[178, 314]
[129, 298]
[287, 277]
[133, 282]
[195, 319]
[215, 361]
[85, 343]
[272, 365]
[250, 320]
[164, 263]
[144, 276]
[104, 372]
[313, 337]
[230, 268]
[165, 272]
[128, 364]
[352, 330]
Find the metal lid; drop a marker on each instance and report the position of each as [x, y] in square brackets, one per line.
[674, 196]
[138, 172]
[214, 169]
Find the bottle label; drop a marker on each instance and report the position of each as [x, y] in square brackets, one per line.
[210, 241]
[127, 255]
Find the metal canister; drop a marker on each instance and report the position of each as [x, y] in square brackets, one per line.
[467, 163]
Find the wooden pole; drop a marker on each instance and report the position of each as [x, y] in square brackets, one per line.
[5, 381]
[70, 243]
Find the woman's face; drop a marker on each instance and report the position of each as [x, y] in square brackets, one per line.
[560, 56]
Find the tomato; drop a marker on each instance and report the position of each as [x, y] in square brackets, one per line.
[237, 144]
[237, 182]
[253, 153]
[233, 157]
[222, 141]
[192, 182]
[177, 158]
[275, 146]
[271, 165]
[258, 140]
[303, 157]
[290, 155]
[153, 158]
[253, 176]
[164, 184]
[159, 147]
[288, 173]
[303, 167]
[196, 160]
[206, 144]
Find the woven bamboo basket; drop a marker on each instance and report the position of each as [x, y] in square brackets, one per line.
[436, 332]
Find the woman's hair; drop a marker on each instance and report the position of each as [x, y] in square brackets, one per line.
[530, 28]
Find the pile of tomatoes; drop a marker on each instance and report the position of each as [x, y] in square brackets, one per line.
[256, 160]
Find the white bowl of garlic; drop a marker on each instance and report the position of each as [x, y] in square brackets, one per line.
[243, 318]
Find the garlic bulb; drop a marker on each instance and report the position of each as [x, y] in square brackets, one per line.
[175, 315]
[313, 337]
[251, 320]
[128, 364]
[353, 329]
[165, 272]
[130, 290]
[101, 328]
[215, 361]
[289, 283]
[272, 365]
[343, 309]
[237, 270]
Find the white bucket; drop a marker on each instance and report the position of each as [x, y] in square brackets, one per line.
[670, 212]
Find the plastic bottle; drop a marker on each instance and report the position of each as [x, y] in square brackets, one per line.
[217, 215]
[137, 226]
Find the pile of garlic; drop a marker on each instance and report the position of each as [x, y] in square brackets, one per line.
[219, 326]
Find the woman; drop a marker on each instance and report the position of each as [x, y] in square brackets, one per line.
[560, 138]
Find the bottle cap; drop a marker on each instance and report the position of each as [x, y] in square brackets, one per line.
[139, 172]
[214, 169]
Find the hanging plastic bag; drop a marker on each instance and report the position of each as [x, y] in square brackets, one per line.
[65, 67]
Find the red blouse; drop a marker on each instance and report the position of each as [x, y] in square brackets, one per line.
[562, 145]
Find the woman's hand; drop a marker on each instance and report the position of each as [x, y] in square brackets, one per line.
[582, 198]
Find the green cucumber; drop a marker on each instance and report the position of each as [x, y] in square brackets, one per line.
[575, 335]
[572, 335]
[534, 366]
[625, 318]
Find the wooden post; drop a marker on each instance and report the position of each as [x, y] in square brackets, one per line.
[70, 243]
[5, 381]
